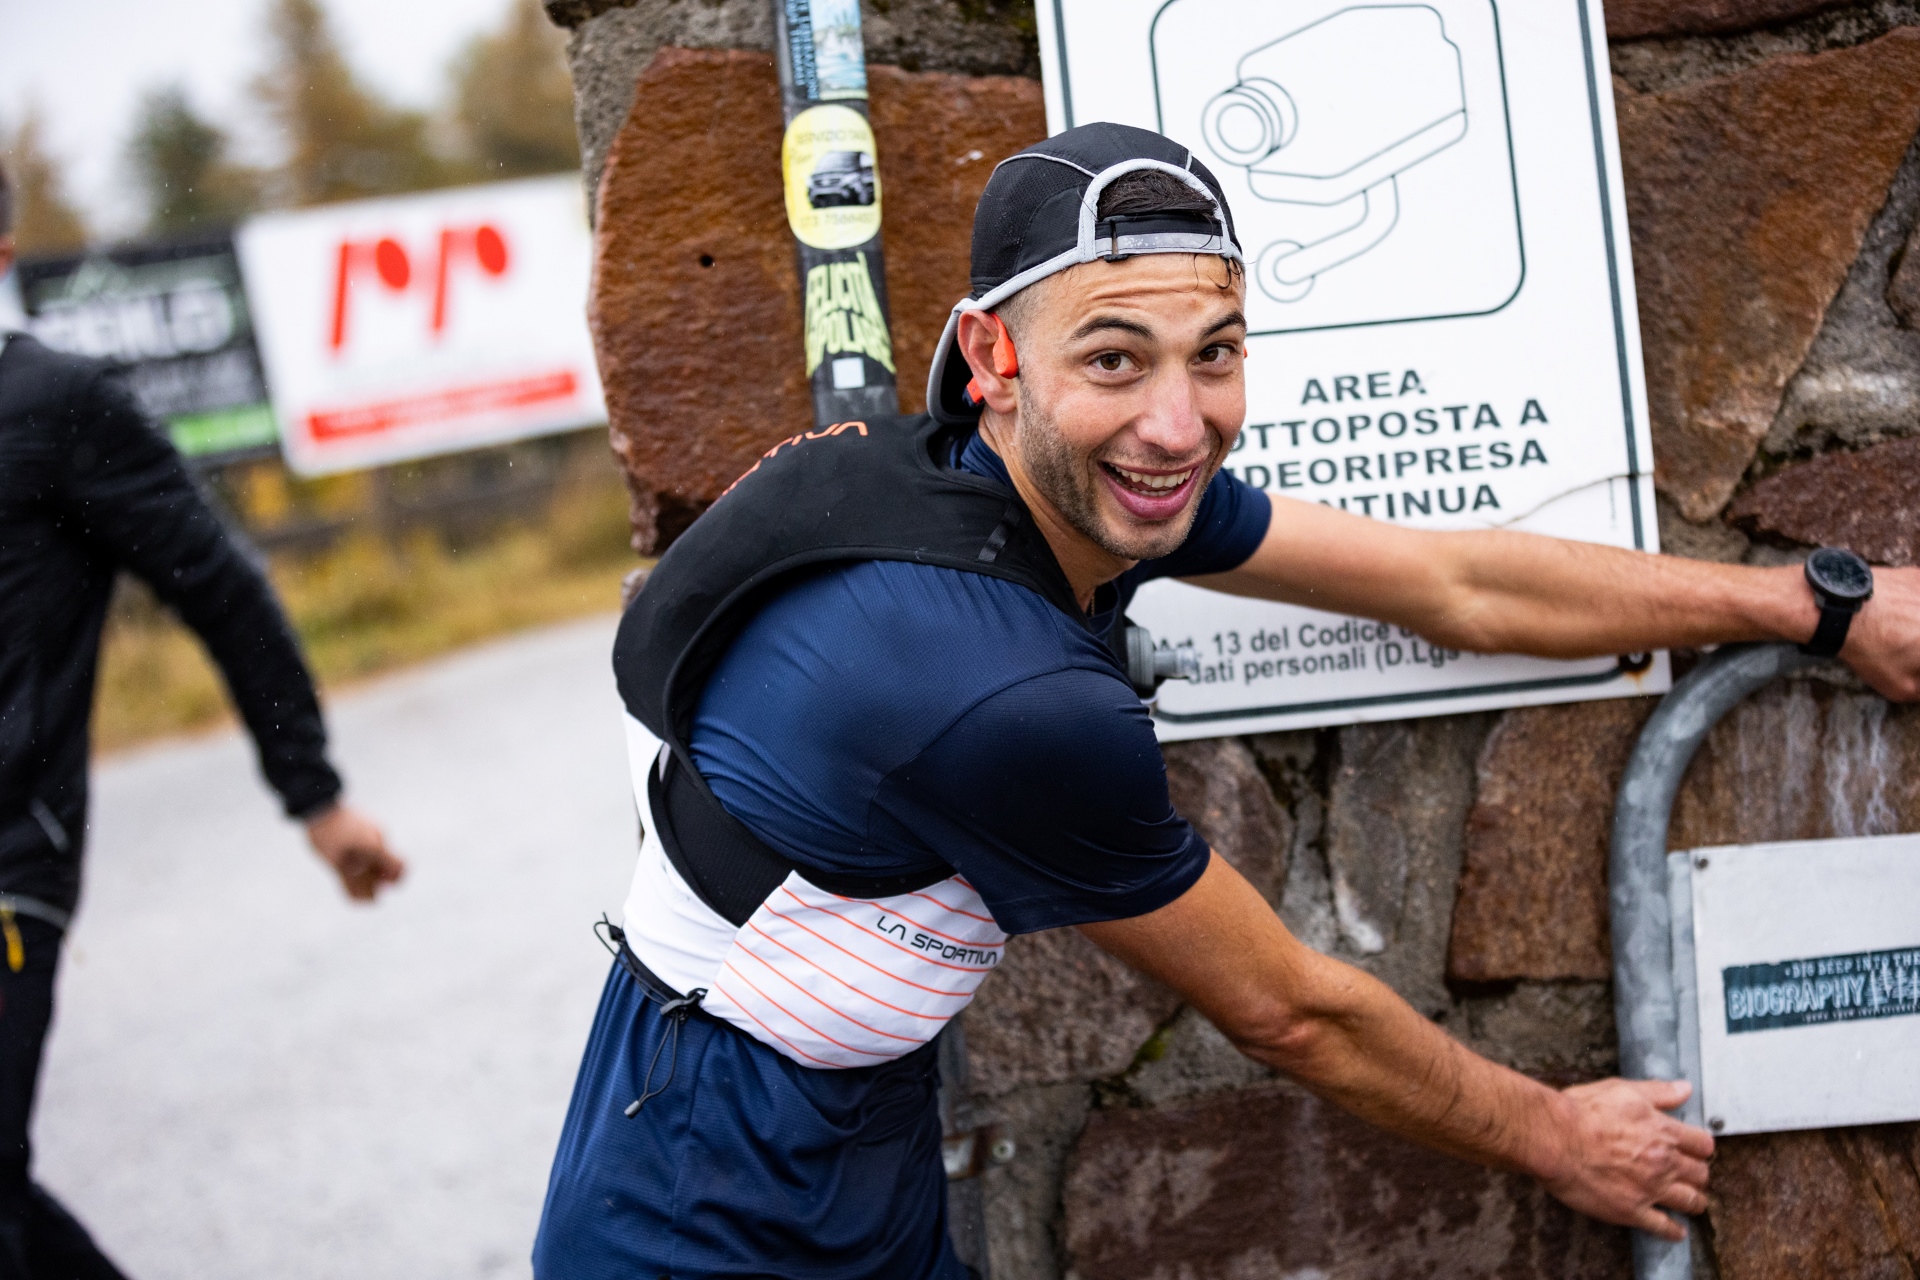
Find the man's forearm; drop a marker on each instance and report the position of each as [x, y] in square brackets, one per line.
[1603, 1148]
[1335, 1029]
[1522, 593]
[1362, 1048]
[1497, 591]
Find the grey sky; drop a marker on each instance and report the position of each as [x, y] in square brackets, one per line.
[86, 62]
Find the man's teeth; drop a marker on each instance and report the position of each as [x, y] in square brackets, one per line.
[1145, 481]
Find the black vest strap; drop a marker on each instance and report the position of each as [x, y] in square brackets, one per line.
[877, 490]
[732, 869]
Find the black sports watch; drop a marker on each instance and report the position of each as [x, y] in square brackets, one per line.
[1842, 583]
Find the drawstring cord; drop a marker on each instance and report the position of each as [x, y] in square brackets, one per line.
[676, 1010]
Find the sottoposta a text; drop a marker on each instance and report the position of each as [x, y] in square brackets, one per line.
[1402, 459]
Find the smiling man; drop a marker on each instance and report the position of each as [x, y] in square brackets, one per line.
[896, 732]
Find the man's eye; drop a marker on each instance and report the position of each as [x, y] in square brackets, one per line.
[1112, 361]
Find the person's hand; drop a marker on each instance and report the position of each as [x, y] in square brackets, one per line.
[356, 850]
[1883, 644]
[1622, 1160]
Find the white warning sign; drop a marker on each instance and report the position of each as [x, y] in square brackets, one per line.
[1443, 326]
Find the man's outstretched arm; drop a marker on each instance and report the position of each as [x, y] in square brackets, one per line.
[1605, 1149]
[128, 494]
[1497, 591]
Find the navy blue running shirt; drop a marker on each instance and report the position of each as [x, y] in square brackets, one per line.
[887, 716]
[874, 717]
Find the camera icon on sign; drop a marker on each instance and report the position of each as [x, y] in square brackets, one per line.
[1329, 116]
[1312, 129]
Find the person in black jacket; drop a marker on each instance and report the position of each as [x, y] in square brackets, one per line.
[89, 486]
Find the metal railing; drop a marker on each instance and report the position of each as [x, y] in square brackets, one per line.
[1653, 1009]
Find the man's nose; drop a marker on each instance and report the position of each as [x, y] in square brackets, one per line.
[1172, 422]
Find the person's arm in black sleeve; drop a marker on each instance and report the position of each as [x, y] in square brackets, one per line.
[130, 497]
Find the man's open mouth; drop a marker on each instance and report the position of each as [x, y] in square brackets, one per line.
[1150, 495]
[1147, 482]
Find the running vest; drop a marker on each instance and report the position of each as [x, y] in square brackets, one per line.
[830, 970]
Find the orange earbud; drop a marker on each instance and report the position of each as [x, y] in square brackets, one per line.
[1006, 361]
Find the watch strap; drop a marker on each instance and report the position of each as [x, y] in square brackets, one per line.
[1831, 634]
[1838, 599]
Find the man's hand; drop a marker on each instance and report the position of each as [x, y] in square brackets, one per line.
[1606, 1148]
[1883, 644]
[356, 850]
[1623, 1159]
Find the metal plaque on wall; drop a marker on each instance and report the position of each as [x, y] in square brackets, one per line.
[1807, 964]
[1443, 326]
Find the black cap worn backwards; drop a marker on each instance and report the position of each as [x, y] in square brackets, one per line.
[1040, 215]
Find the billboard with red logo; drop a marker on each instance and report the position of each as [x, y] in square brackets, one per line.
[423, 324]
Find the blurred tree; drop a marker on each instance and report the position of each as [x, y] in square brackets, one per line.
[342, 141]
[44, 220]
[513, 97]
[182, 164]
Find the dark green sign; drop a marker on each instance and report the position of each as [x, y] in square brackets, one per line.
[176, 317]
[1825, 989]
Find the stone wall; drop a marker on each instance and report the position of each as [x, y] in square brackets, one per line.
[1773, 183]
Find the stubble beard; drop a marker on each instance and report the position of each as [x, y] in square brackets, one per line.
[1068, 481]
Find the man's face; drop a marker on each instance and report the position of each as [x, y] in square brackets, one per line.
[1131, 392]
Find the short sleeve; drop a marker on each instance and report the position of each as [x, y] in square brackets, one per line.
[1050, 797]
[1228, 528]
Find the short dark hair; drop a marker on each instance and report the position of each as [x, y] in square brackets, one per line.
[1147, 191]
[6, 203]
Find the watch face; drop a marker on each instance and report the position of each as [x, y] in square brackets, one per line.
[1840, 574]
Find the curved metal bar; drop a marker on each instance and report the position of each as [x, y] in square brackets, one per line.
[1643, 992]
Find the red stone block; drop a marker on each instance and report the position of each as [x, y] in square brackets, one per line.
[1637, 19]
[696, 303]
[1836, 1204]
[1868, 502]
[1533, 887]
[1748, 199]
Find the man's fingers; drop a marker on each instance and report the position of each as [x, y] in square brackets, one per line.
[1656, 1223]
[1692, 1172]
[363, 870]
[1689, 1200]
[1694, 1141]
[1666, 1095]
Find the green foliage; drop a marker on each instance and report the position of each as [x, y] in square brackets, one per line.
[370, 604]
[513, 98]
[508, 114]
[181, 162]
[343, 142]
[44, 219]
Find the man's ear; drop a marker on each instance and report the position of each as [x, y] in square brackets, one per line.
[989, 350]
